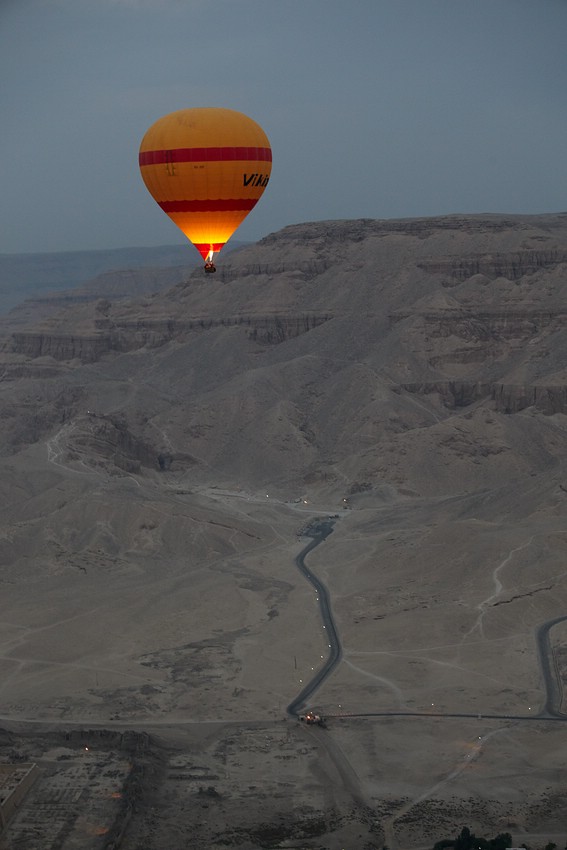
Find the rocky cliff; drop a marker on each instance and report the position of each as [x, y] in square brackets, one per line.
[511, 266]
[121, 336]
[328, 351]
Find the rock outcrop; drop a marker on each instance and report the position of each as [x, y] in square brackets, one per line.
[116, 336]
[507, 398]
[547, 399]
[510, 266]
[111, 439]
[84, 347]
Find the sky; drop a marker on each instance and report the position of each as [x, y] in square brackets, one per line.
[374, 109]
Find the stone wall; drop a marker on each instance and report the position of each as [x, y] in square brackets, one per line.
[16, 779]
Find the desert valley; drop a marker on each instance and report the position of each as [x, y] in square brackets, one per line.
[170, 442]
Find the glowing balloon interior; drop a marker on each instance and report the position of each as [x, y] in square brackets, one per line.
[206, 168]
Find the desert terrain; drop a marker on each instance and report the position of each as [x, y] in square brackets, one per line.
[165, 461]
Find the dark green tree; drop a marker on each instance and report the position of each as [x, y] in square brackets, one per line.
[502, 841]
[465, 840]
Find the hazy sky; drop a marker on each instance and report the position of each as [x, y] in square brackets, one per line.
[374, 108]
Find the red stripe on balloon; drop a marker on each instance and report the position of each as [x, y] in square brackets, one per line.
[204, 248]
[204, 155]
[219, 205]
[209, 246]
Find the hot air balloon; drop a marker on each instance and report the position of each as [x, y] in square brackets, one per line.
[206, 168]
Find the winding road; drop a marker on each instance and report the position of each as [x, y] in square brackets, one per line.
[550, 673]
[318, 530]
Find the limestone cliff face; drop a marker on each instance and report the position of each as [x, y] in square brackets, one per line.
[474, 344]
[84, 347]
[275, 329]
[305, 268]
[507, 325]
[506, 398]
[511, 266]
[454, 394]
[548, 399]
[110, 336]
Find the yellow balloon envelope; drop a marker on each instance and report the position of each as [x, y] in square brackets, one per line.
[206, 168]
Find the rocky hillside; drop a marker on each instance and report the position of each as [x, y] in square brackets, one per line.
[417, 354]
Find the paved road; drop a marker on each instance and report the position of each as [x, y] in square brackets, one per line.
[549, 672]
[551, 676]
[318, 530]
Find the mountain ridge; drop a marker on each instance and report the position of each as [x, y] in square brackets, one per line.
[323, 301]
